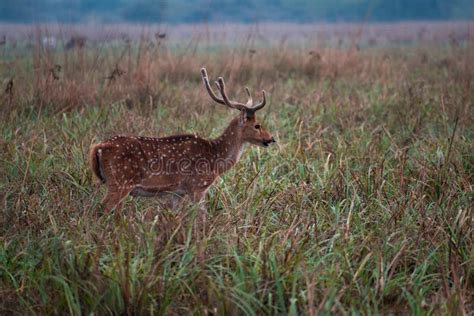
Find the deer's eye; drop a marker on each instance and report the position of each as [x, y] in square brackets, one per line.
[257, 126]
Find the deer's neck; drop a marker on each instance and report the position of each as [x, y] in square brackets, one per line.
[228, 147]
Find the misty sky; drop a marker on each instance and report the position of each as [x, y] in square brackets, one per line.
[192, 11]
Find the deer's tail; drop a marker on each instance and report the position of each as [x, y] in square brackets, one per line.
[95, 161]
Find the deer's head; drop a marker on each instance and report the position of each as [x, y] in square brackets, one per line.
[249, 127]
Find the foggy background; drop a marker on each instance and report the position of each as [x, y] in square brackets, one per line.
[246, 11]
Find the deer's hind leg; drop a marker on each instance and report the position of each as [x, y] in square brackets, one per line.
[113, 200]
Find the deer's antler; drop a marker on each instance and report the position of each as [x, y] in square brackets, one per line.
[205, 79]
[249, 107]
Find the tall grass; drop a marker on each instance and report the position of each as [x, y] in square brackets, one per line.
[364, 206]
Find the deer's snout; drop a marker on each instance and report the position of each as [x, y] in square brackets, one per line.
[267, 142]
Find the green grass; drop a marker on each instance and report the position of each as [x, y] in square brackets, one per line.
[365, 205]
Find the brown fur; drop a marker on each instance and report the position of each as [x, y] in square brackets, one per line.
[180, 165]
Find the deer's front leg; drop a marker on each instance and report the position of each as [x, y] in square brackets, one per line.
[199, 198]
[175, 201]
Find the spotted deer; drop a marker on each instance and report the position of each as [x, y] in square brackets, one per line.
[176, 166]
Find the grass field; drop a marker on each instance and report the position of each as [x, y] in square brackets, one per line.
[364, 206]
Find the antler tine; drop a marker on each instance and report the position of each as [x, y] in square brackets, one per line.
[213, 96]
[260, 105]
[250, 100]
[232, 104]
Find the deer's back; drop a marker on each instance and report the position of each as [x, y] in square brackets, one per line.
[153, 165]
